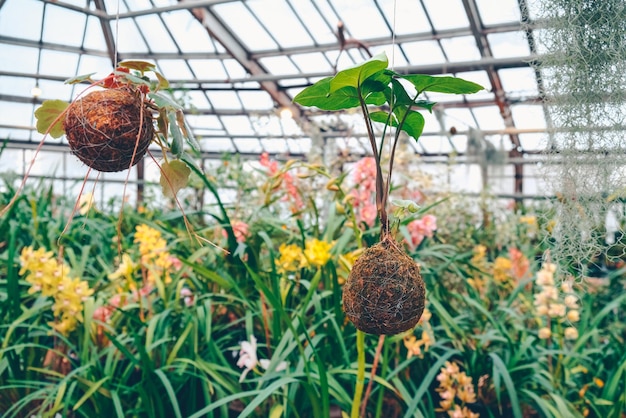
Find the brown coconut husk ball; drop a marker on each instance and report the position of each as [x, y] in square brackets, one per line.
[104, 127]
[384, 293]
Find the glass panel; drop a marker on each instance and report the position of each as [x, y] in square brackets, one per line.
[361, 19]
[408, 16]
[190, 35]
[15, 13]
[449, 14]
[55, 29]
[245, 27]
[498, 11]
[289, 32]
[155, 34]
[508, 44]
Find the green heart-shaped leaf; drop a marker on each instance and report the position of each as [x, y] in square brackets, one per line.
[444, 84]
[50, 117]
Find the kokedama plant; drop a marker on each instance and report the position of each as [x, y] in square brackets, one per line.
[384, 293]
[110, 129]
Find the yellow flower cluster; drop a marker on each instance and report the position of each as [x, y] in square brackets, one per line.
[317, 252]
[479, 260]
[154, 254]
[292, 258]
[529, 220]
[413, 345]
[502, 270]
[51, 278]
[455, 385]
[548, 303]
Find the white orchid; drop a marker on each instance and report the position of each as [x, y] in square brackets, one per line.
[248, 359]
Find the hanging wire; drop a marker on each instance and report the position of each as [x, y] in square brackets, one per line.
[117, 32]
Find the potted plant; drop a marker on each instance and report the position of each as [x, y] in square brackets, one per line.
[384, 293]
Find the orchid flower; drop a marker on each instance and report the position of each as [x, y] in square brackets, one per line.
[248, 359]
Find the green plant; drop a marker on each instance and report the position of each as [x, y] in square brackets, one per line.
[375, 300]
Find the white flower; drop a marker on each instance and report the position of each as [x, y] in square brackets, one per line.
[279, 367]
[187, 295]
[249, 360]
[247, 356]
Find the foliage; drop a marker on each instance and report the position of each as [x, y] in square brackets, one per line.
[255, 326]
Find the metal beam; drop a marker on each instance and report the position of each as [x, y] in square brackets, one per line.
[222, 34]
[482, 43]
[109, 39]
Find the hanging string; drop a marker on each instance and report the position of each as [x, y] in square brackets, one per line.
[117, 33]
[393, 35]
[393, 58]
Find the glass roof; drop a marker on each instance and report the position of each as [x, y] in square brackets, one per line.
[237, 64]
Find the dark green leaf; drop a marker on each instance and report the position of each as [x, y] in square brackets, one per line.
[444, 84]
[375, 90]
[413, 124]
[425, 104]
[400, 96]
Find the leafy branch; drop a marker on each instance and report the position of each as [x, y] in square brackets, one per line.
[382, 96]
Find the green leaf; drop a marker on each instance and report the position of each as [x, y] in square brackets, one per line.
[444, 84]
[163, 83]
[50, 117]
[500, 370]
[383, 117]
[425, 104]
[413, 124]
[92, 389]
[355, 76]
[177, 137]
[80, 79]
[133, 79]
[174, 176]
[164, 102]
[319, 95]
[375, 89]
[141, 66]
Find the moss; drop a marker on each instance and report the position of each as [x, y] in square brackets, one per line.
[109, 129]
[384, 293]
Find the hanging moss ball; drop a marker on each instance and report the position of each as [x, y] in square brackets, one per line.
[384, 293]
[104, 127]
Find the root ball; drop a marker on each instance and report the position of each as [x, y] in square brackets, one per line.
[104, 127]
[384, 293]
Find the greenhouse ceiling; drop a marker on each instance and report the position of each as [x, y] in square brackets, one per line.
[236, 65]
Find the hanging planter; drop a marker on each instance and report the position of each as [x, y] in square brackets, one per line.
[110, 129]
[384, 293]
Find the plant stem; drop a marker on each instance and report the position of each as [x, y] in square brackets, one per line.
[379, 347]
[383, 372]
[360, 374]
[380, 184]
